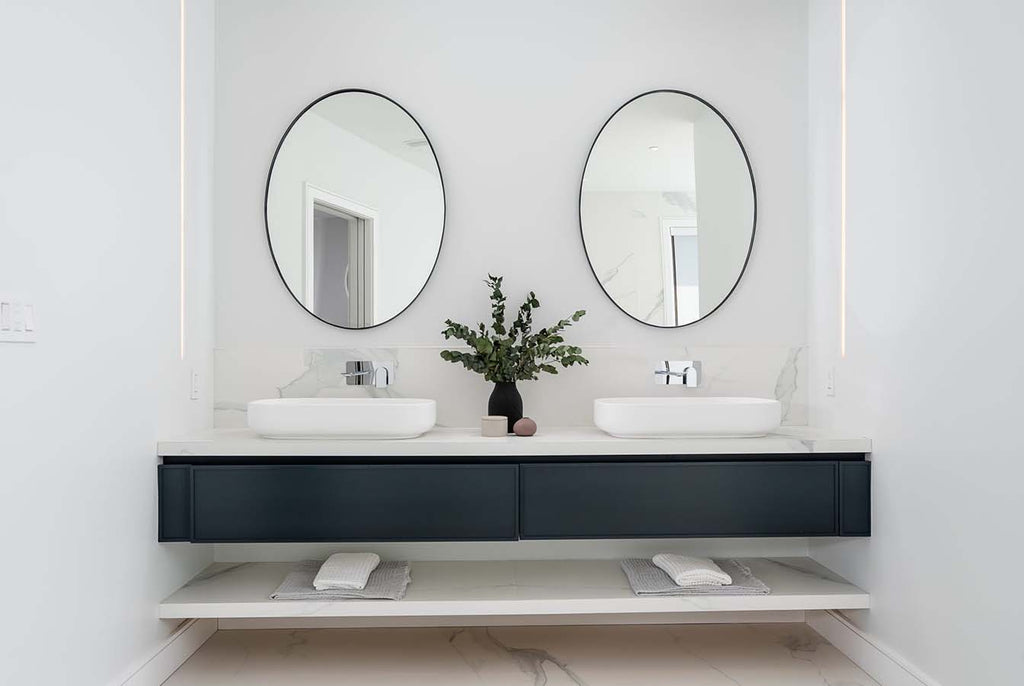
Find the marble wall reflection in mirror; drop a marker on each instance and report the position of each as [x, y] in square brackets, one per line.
[355, 209]
[667, 208]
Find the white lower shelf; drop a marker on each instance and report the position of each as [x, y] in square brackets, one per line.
[507, 588]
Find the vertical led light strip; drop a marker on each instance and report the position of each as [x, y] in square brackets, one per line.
[842, 180]
[181, 180]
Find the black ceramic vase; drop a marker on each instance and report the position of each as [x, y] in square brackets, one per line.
[505, 401]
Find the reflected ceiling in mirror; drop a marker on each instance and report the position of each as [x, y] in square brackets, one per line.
[667, 208]
[354, 209]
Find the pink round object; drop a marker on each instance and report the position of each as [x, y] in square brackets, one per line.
[525, 427]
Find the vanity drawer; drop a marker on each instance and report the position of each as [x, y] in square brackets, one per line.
[354, 502]
[633, 500]
[855, 498]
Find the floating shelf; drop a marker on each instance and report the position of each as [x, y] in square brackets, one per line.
[507, 588]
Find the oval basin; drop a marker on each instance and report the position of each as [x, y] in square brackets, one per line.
[359, 418]
[687, 417]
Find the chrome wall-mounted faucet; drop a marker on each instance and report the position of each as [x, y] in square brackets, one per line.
[677, 373]
[369, 373]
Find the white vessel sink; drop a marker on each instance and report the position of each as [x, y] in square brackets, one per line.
[373, 418]
[687, 417]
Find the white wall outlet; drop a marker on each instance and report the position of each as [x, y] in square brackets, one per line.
[830, 382]
[17, 321]
[193, 386]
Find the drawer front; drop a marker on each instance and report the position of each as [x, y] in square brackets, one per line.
[855, 498]
[355, 502]
[630, 500]
[174, 483]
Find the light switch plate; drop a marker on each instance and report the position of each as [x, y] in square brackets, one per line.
[17, 321]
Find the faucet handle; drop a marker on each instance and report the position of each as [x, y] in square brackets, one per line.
[678, 373]
[369, 373]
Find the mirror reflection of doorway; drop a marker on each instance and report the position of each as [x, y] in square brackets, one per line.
[668, 163]
[687, 281]
[680, 271]
[339, 258]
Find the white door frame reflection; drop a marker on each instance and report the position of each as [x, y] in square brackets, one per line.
[682, 300]
[354, 292]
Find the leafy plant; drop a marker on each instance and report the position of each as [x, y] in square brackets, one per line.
[515, 352]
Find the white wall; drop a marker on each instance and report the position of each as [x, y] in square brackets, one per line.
[511, 95]
[89, 233]
[933, 367]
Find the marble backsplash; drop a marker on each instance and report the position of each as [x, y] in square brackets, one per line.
[251, 373]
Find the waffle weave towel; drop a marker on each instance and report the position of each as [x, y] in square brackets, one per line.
[691, 571]
[646, 579]
[388, 581]
[346, 571]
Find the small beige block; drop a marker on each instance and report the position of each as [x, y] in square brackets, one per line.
[493, 426]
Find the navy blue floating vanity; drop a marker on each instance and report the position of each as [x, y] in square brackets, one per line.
[449, 485]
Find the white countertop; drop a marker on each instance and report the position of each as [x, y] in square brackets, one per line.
[526, 587]
[443, 442]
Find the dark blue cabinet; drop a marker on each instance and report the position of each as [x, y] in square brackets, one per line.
[855, 499]
[676, 500]
[354, 502]
[175, 508]
[255, 499]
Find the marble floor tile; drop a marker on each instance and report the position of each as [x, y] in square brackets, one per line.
[695, 655]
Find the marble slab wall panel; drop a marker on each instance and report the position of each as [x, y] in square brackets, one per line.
[244, 374]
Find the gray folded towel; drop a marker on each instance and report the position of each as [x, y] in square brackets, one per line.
[387, 582]
[346, 572]
[645, 578]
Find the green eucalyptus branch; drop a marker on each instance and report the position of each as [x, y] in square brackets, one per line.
[514, 353]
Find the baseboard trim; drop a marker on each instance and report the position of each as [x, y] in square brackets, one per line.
[172, 653]
[881, 662]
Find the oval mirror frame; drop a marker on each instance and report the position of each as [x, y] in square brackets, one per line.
[266, 206]
[753, 193]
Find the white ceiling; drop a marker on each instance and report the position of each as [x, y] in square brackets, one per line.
[379, 122]
[622, 159]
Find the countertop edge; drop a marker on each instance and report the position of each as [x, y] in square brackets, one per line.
[554, 442]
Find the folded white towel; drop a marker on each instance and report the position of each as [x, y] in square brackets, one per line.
[345, 571]
[691, 571]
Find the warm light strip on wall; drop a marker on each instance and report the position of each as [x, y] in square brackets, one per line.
[181, 181]
[842, 180]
